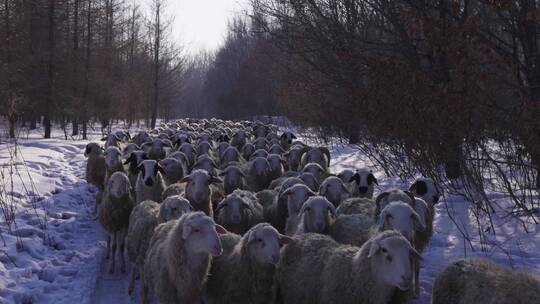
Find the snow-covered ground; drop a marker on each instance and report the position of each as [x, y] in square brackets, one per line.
[61, 256]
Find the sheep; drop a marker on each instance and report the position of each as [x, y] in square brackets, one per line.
[334, 190]
[221, 147]
[114, 215]
[392, 195]
[150, 184]
[95, 169]
[189, 151]
[140, 138]
[276, 166]
[363, 183]
[183, 159]
[425, 188]
[296, 196]
[258, 153]
[357, 205]
[316, 215]
[317, 171]
[275, 149]
[258, 174]
[112, 140]
[233, 178]
[239, 139]
[247, 150]
[133, 161]
[275, 203]
[203, 147]
[239, 211]
[293, 158]
[310, 264]
[178, 259]
[352, 229]
[244, 272]
[320, 155]
[142, 221]
[130, 148]
[173, 170]
[310, 180]
[206, 163]
[113, 161]
[346, 175]
[481, 281]
[230, 154]
[198, 190]
[286, 139]
[156, 148]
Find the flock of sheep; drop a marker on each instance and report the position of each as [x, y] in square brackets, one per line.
[218, 211]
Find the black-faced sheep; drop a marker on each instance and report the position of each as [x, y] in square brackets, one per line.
[150, 184]
[363, 183]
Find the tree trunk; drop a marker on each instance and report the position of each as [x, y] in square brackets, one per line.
[84, 115]
[50, 71]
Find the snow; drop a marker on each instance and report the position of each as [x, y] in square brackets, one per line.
[53, 252]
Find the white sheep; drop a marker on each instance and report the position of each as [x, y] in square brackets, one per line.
[334, 190]
[198, 190]
[276, 165]
[142, 221]
[114, 214]
[248, 150]
[311, 266]
[317, 171]
[179, 257]
[482, 281]
[390, 196]
[230, 154]
[113, 161]
[275, 203]
[189, 151]
[293, 158]
[239, 211]
[244, 273]
[95, 169]
[173, 170]
[150, 184]
[316, 215]
[296, 196]
[257, 174]
[233, 178]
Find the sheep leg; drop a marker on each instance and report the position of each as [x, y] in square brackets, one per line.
[133, 274]
[144, 287]
[416, 279]
[107, 256]
[122, 240]
[113, 252]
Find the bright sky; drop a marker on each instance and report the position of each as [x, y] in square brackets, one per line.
[202, 24]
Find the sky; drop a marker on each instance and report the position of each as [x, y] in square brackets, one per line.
[202, 24]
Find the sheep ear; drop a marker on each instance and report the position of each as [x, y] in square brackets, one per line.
[293, 136]
[186, 231]
[128, 160]
[326, 152]
[220, 206]
[382, 220]
[139, 168]
[104, 138]
[331, 208]
[355, 178]
[284, 239]
[222, 173]
[220, 229]
[373, 249]
[371, 179]
[185, 179]
[411, 196]
[160, 169]
[322, 189]
[380, 197]
[344, 188]
[419, 222]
